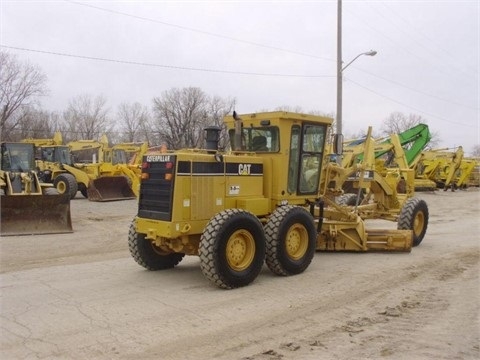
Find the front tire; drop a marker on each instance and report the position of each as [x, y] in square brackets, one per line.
[66, 184]
[291, 240]
[232, 248]
[148, 255]
[414, 216]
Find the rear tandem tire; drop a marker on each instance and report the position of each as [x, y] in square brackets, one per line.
[414, 216]
[147, 254]
[232, 248]
[291, 240]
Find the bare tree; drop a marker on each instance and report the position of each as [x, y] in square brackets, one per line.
[86, 118]
[217, 109]
[476, 151]
[134, 120]
[20, 86]
[37, 123]
[180, 115]
[398, 122]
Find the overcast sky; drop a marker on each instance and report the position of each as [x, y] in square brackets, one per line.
[265, 54]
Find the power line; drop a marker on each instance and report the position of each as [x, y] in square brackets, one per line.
[418, 31]
[408, 106]
[417, 91]
[265, 46]
[173, 67]
[186, 28]
[407, 50]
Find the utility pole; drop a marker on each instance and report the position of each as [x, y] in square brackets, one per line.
[339, 67]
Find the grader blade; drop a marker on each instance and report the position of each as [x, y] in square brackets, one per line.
[339, 235]
[110, 188]
[35, 215]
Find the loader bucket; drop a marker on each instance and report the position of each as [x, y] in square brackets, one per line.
[35, 214]
[110, 188]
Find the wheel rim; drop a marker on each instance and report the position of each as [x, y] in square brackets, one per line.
[418, 223]
[296, 242]
[240, 250]
[61, 187]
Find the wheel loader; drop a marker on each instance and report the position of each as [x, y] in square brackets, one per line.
[54, 165]
[268, 199]
[109, 176]
[29, 206]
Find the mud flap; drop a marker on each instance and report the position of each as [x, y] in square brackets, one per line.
[110, 188]
[35, 214]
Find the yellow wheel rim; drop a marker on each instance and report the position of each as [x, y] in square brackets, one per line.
[61, 187]
[240, 250]
[296, 242]
[418, 223]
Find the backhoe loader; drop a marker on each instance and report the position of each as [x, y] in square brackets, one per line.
[270, 198]
[54, 165]
[29, 206]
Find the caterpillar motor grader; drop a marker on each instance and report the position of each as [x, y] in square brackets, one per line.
[29, 206]
[271, 198]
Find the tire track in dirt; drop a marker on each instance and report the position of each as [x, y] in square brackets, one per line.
[406, 326]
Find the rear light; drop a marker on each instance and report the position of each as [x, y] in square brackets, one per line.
[168, 166]
[145, 175]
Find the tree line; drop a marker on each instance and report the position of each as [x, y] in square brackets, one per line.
[176, 118]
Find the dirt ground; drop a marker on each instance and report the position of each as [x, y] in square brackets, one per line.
[82, 296]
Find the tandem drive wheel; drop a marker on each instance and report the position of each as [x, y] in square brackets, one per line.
[232, 248]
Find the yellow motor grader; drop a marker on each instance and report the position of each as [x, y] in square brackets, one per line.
[270, 198]
[29, 206]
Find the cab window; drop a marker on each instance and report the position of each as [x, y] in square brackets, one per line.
[258, 139]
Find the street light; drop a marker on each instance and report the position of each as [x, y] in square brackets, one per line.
[368, 53]
[339, 85]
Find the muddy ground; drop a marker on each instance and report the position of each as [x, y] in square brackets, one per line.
[82, 296]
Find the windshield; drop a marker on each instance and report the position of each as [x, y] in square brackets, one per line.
[17, 157]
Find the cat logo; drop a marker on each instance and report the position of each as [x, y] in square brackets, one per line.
[244, 169]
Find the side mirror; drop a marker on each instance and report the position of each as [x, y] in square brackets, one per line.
[338, 144]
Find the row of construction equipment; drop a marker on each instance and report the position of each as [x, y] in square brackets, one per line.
[39, 177]
[431, 169]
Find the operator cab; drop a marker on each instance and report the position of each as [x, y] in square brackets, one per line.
[286, 138]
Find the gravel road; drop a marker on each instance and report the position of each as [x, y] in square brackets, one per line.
[82, 296]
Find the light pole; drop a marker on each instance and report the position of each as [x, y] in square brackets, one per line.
[339, 85]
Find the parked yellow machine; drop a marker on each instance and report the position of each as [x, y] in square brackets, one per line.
[271, 198]
[54, 165]
[29, 206]
[107, 170]
[439, 167]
